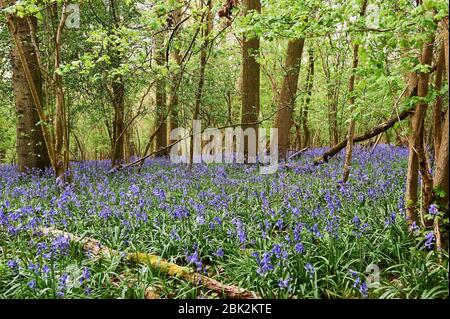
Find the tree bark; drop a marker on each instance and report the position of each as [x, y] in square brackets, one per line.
[283, 119]
[30, 144]
[437, 110]
[441, 172]
[250, 75]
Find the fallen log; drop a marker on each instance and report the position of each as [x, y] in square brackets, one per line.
[380, 128]
[95, 248]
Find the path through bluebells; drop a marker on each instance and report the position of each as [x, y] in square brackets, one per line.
[299, 233]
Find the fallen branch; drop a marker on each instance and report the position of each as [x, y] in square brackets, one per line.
[372, 133]
[94, 247]
[298, 153]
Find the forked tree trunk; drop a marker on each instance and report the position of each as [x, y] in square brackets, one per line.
[250, 76]
[283, 119]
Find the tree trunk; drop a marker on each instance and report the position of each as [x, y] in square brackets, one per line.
[31, 148]
[250, 76]
[161, 136]
[283, 120]
[61, 121]
[437, 110]
[332, 119]
[201, 75]
[307, 100]
[130, 148]
[416, 136]
[441, 172]
[118, 92]
[332, 98]
[176, 79]
[351, 88]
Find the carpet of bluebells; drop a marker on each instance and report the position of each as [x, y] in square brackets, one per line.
[298, 233]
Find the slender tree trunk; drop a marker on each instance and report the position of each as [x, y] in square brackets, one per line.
[441, 172]
[130, 149]
[118, 92]
[332, 95]
[416, 137]
[283, 120]
[161, 107]
[61, 120]
[332, 120]
[30, 144]
[427, 180]
[250, 76]
[117, 96]
[307, 100]
[201, 75]
[437, 110]
[173, 120]
[351, 89]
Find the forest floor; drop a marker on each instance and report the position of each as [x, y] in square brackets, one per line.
[298, 233]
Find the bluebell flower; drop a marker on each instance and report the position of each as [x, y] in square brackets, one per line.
[283, 283]
[299, 248]
[86, 273]
[357, 282]
[34, 268]
[45, 269]
[433, 209]
[310, 269]
[356, 221]
[364, 290]
[32, 284]
[219, 252]
[429, 239]
[12, 264]
[265, 264]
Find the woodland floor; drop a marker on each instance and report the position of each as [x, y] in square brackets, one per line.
[298, 233]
